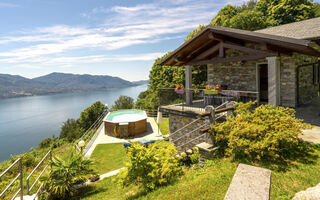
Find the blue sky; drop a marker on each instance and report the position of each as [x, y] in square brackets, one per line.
[103, 37]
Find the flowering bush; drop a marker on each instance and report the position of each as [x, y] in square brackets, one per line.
[264, 132]
[179, 87]
[216, 87]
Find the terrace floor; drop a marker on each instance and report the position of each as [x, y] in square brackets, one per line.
[310, 113]
[153, 133]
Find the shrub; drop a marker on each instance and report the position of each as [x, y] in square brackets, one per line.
[190, 159]
[151, 166]
[123, 102]
[71, 130]
[91, 114]
[264, 132]
[64, 174]
[194, 157]
[45, 143]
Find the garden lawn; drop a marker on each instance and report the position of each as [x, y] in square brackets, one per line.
[164, 126]
[108, 157]
[211, 182]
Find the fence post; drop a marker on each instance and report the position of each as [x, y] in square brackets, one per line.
[21, 179]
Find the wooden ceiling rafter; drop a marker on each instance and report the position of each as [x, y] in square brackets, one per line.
[222, 46]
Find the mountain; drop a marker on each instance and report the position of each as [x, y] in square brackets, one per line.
[142, 82]
[12, 85]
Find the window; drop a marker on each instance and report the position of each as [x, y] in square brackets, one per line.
[316, 73]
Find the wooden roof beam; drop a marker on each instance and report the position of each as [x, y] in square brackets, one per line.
[213, 36]
[246, 49]
[208, 52]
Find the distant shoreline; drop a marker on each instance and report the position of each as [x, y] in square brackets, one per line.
[69, 92]
[12, 86]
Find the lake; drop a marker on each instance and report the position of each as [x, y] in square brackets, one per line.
[26, 121]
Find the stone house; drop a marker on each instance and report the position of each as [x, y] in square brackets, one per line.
[279, 64]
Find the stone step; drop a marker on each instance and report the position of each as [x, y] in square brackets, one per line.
[207, 150]
[249, 183]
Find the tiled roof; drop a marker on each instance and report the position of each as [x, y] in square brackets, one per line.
[307, 29]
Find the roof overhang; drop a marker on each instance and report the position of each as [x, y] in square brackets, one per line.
[207, 47]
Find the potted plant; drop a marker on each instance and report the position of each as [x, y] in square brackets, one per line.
[212, 90]
[224, 87]
[179, 89]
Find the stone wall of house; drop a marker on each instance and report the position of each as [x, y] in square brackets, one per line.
[288, 86]
[236, 75]
[176, 122]
[307, 90]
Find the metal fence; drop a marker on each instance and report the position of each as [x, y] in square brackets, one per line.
[170, 97]
[19, 176]
[91, 134]
[29, 188]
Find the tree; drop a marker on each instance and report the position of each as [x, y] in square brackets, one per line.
[248, 20]
[91, 114]
[71, 130]
[224, 16]
[286, 11]
[64, 174]
[123, 102]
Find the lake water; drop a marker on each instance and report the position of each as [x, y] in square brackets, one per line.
[26, 121]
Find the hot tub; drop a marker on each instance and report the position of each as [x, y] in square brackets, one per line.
[125, 123]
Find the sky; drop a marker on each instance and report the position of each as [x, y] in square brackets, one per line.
[101, 37]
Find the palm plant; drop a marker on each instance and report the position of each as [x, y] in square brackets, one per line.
[64, 174]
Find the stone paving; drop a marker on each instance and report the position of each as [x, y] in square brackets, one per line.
[153, 133]
[310, 113]
[249, 183]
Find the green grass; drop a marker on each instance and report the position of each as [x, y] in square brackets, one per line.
[212, 182]
[164, 126]
[29, 162]
[108, 157]
[208, 183]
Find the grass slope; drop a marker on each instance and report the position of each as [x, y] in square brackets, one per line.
[108, 157]
[212, 182]
[164, 126]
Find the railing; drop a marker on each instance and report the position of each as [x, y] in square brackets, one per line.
[19, 162]
[190, 132]
[154, 113]
[193, 142]
[169, 99]
[29, 188]
[183, 128]
[90, 135]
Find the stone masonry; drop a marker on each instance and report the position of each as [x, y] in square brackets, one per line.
[243, 76]
[176, 122]
[307, 89]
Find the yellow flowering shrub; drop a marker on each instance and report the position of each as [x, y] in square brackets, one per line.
[263, 132]
[150, 167]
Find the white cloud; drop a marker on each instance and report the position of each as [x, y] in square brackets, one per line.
[123, 26]
[73, 60]
[8, 5]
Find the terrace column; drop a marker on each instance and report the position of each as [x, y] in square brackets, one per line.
[274, 80]
[188, 86]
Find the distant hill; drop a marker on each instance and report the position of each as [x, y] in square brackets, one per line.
[13, 86]
[142, 82]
